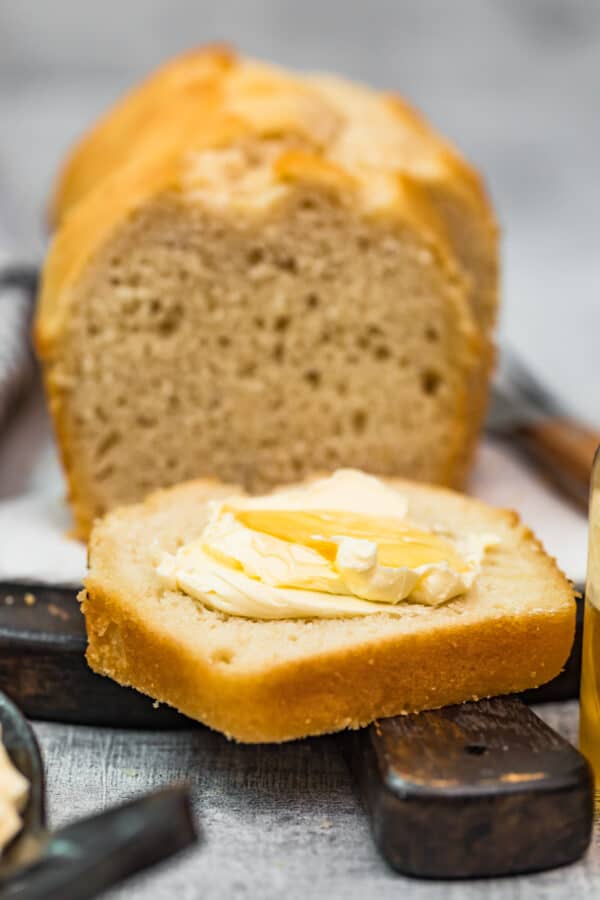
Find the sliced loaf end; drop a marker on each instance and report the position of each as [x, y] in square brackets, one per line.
[257, 347]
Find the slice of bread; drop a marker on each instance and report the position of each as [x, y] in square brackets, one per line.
[278, 680]
[257, 275]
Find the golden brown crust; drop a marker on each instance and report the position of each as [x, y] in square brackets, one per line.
[210, 98]
[451, 660]
[331, 692]
[147, 109]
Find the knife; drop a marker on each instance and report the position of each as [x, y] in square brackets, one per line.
[524, 413]
[18, 288]
[88, 856]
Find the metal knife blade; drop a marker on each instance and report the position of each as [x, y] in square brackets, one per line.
[518, 398]
[526, 414]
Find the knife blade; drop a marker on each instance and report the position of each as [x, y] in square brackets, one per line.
[524, 413]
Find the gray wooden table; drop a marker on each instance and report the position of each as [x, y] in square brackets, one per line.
[515, 83]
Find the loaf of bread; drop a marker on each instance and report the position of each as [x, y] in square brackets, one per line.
[274, 680]
[256, 275]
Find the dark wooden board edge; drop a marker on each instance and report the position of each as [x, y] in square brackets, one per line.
[43, 667]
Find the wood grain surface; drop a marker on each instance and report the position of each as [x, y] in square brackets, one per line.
[477, 789]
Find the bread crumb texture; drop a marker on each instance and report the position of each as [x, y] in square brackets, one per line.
[256, 275]
[259, 680]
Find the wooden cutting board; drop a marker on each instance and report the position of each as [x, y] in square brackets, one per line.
[474, 790]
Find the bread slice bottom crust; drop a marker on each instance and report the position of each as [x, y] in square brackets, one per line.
[168, 647]
[335, 691]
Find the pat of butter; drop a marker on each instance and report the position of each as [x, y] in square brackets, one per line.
[14, 790]
[340, 546]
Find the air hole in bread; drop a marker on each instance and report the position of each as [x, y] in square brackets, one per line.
[431, 334]
[359, 421]
[224, 340]
[255, 256]
[223, 656]
[374, 331]
[171, 321]
[278, 352]
[313, 377]
[282, 323]
[247, 370]
[382, 352]
[287, 264]
[312, 301]
[103, 474]
[431, 382]
[132, 307]
[145, 421]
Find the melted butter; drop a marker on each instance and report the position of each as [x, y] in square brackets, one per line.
[341, 546]
[398, 543]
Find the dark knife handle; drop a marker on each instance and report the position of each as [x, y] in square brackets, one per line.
[475, 790]
[20, 277]
[563, 450]
[86, 858]
[18, 287]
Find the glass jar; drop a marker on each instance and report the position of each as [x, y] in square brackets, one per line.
[589, 728]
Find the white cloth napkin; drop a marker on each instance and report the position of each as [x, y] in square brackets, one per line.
[34, 518]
